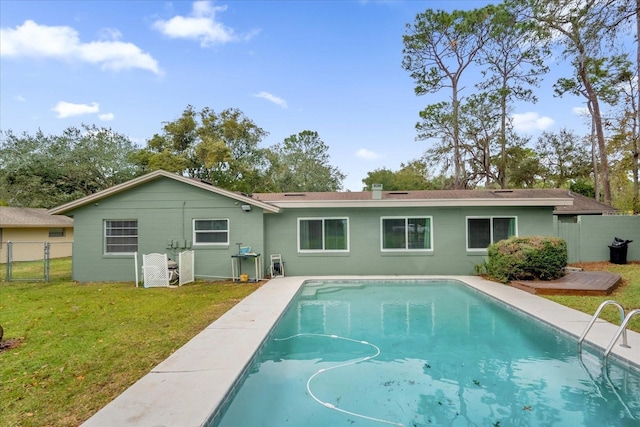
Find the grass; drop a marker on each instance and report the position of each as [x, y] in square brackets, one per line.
[80, 345]
[628, 294]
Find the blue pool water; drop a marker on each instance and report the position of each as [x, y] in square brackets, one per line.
[429, 353]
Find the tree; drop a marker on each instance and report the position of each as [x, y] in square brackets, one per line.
[438, 48]
[222, 148]
[565, 158]
[523, 166]
[579, 26]
[411, 176]
[481, 127]
[514, 60]
[48, 170]
[301, 163]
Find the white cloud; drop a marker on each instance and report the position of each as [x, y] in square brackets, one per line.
[107, 117]
[531, 121]
[363, 153]
[200, 25]
[68, 109]
[20, 98]
[109, 34]
[272, 98]
[63, 43]
[580, 111]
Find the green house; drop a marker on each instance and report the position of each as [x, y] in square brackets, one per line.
[346, 233]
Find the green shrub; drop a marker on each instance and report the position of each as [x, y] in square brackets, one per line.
[526, 258]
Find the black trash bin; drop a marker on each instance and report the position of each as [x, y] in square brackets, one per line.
[618, 251]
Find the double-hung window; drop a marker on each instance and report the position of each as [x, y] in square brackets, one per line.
[56, 232]
[323, 234]
[406, 234]
[481, 232]
[120, 236]
[210, 231]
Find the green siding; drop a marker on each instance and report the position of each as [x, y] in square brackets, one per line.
[597, 233]
[449, 254]
[165, 210]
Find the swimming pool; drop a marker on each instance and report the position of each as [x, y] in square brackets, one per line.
[419, 353]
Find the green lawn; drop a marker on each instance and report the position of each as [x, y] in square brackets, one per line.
[628, 294]
[83, 344]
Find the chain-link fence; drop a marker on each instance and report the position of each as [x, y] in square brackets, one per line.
[30, 261]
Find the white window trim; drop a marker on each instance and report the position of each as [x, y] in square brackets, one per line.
[406, 233]
[193, 229]
[490, 218]
[322, 251]
[104, 233]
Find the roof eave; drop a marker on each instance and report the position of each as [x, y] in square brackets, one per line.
[386, 203]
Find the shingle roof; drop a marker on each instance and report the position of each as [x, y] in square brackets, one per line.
[583, 205]
[31, 217]
[562, 200]
[516, 197]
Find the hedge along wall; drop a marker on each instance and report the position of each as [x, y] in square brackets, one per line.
[595, 233]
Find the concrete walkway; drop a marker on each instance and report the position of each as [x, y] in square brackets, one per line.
[186, 388]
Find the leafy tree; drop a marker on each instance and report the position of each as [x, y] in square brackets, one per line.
[410, 176]
[438, 48]
[564, 157]
[481, 127]
[222, 148]
[523, 166]
[514, 59]
[301, 163]
[579, 26]
[47, 170]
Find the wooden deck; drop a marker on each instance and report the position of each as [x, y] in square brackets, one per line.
[573, 283]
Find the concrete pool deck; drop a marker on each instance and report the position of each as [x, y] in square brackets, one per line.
[186, 388]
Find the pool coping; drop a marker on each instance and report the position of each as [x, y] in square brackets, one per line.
[186, 388]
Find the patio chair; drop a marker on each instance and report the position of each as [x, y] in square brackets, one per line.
[277, 266]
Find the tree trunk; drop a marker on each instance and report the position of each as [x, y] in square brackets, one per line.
[456, 137]
[596, 116]
[636, 142]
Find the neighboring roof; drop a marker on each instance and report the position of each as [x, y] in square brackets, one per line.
[31, 218]
[583, 205]
[157, 175]
[516, 197]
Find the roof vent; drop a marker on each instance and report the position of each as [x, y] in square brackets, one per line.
[502, 191]
[376, 191]
[294, 194]
[398, 192]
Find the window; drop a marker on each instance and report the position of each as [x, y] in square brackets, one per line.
[211, 231]
[56, 232]
[406, 234]
[323, 234]
[121, 236]
[481, 232]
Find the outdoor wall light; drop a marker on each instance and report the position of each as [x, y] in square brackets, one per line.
[246, 208]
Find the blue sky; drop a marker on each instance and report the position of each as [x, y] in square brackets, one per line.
[328, 66]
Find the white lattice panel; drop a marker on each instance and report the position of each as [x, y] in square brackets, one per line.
[155, 269]
[186, 265]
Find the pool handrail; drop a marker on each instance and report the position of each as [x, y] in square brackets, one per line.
[595, 317]
[621, 330]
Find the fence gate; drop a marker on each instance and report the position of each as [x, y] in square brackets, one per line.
[570, 232]
[28, 271]
[186, 263]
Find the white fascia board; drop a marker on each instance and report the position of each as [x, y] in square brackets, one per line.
[420, 203]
